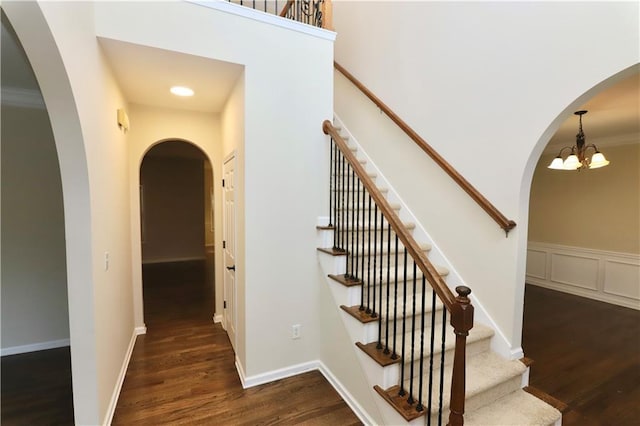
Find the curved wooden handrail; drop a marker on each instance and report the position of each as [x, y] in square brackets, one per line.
[286, 8]
[423, 263]
[491, 210]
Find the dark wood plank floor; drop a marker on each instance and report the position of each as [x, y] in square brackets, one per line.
[587, 354]
[182, 371]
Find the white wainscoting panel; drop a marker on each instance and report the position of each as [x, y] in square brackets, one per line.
[607, 276]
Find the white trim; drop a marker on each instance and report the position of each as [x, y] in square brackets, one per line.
[34, 347]
[267, 18]
[119, 382]
[597, 284]
[217, 318]
[323, 221]
[22, 98]
[357, 409]
[173, 259]
[281, 373]
[241, 373]
[140, 330]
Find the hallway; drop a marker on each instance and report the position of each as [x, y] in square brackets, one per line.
[182, 370]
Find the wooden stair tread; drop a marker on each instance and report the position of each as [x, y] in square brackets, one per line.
[399, 403]
[377, 355]
[342, 279]
[542, 395]
[360, 315]
[332, 251]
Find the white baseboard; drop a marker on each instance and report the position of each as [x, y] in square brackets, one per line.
[217, 318]
[41, 346]
[140, 330]
[120, 381]
[346, 395]
[607, 276]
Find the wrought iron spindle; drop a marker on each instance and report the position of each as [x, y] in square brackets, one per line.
[386, 338]
[331, 167]
[358, 253]
[410, 400]
[352, 252]
[420, 406]
[431, 351]
[368, 226]
[444, 329]
[362, 235]
[343, 204]
[379, 345]
[394, 354]
[375, 258]
[348, 225]
[404, 322]
[336, 193]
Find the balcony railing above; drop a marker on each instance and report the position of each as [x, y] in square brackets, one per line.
[311, 12]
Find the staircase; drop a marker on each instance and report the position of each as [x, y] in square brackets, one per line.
[399, 326]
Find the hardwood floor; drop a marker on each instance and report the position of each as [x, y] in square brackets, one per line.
[36, 388]
[587, 354]
[182, 371]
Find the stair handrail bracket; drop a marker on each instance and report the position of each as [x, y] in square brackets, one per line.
[504, 223]
[459, 307]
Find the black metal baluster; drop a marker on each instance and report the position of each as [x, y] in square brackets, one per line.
[331, 167]
[348, 226]
[352, 253]
[420, 406]
[336, 190]
[394, 354]
[361, 233]
[375, 258]
[379, 345]
[358, 257]
[388, 317]
[343, 205]
[444, 329]
[368, 225]
[404, 322]
[431, 350]
[410, 400]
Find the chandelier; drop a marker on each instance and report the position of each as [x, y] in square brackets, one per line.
[578, 159]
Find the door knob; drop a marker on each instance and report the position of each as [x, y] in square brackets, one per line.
[231, 268]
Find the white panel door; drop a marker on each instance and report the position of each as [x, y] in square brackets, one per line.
[229, 238]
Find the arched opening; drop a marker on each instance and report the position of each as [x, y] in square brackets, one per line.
[582, 298]
[35, 36]
[36, 358]
[177, 233]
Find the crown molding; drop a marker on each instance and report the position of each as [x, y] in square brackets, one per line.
[22, 98]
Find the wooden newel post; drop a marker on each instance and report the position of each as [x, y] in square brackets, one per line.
[462, 322]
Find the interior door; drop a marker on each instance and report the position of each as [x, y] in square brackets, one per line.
[229, 238]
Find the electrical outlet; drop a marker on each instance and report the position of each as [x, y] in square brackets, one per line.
[295, 331]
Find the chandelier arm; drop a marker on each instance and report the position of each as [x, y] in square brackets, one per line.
[572, 148]
[591, 145]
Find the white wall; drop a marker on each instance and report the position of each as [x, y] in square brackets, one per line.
[152, 125]
[284, 158]
[486, 84]
[34, 277]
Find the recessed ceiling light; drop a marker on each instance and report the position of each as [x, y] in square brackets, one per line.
[181, 91]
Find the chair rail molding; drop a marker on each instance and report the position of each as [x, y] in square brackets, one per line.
[607, 276]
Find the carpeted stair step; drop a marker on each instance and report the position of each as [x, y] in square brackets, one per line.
[516, 408]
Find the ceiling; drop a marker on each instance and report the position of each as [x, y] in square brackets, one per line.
[613, 118]
[145, 75]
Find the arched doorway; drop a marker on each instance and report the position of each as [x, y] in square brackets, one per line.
[35, 36]
[177, 232]
[583, 260]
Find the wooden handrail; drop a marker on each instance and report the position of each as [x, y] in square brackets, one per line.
[491, 210]
[286, 8]
[429, 271]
